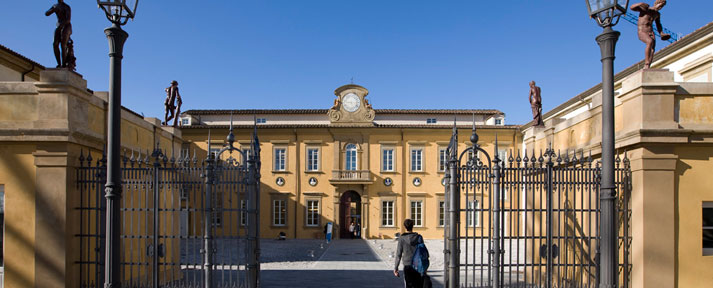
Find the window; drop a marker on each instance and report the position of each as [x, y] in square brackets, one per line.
[417, 213]
[261, 120]
[503, 155]
[472, 216]
[416, 159]
[279, 212]
[247, 154]
[214, 149]
[351, 157]
[387, 213]
[498, 121]
[442, 159]
[707, 222]
[387, 159]
[185, 121]
[243, 212]
[312, 159]
[312, 213]
[280, 159]
[217, 210]
[441, 213]
[431, 121]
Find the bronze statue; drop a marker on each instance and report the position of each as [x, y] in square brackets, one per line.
[648, 15]
[172, 96]
[536, 104]
[62, 35]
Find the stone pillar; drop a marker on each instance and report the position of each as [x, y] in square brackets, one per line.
[53, 262]
[653, 220]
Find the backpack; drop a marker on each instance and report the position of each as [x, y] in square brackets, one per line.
[420, 257]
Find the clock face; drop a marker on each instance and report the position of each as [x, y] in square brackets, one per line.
[351, 102]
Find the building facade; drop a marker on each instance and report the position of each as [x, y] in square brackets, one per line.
[351, 163]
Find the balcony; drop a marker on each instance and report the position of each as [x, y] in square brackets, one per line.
[351, 177]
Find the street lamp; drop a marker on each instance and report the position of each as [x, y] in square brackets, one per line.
[118, 12]
[607, 13]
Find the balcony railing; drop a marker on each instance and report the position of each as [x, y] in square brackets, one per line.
[351, 176]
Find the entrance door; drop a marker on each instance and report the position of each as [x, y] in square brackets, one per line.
[349, 212]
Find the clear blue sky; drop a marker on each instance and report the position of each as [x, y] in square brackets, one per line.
[293, 54]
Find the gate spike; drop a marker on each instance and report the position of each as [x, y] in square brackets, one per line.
[541, 159]
[617, 159]
[81, 157]
[89, 157]
[510, 159]
[566, 155]
[559, 155]
[497, 157]
[518, 159]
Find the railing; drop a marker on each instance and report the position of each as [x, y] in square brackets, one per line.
[351, 176]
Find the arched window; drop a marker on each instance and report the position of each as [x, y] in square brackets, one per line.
[351, 157]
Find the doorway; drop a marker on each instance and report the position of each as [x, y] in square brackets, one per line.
[349, 212]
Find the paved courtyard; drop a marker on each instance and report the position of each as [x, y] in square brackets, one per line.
[342, 263]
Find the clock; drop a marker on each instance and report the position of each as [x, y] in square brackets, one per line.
[351, 102]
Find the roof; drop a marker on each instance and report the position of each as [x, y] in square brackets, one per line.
[18, 55]
[666, 51]
[324, 111]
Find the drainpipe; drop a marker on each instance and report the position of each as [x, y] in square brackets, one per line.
[27, 72]
[404, 181]
[298, 177]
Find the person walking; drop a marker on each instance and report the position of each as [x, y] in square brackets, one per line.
[351, 230]
[357, 231]
[405, 249]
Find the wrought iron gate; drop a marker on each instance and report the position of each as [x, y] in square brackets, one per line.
[530, 220]
[185, 223]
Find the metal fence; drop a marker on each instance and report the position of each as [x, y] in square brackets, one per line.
[530, 220]
[184, 222]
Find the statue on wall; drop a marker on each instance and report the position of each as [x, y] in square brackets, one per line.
[63, 45]
[536, 104]
[172, 96]
[647, 16]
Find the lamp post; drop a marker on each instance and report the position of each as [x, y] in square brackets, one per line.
[118, 12]
[607, 13]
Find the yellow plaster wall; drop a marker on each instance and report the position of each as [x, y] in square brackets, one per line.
[693, 181]
[17, 173]
[695, 110]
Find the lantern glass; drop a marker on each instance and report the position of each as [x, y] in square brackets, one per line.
[119, 11]
[605, 11]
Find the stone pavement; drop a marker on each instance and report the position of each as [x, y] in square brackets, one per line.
[345, 263]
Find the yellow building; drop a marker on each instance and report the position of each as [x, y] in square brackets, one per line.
[350, 163]
[663, 122]
[375, 167]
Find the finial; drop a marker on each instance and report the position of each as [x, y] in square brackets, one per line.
[474, 135]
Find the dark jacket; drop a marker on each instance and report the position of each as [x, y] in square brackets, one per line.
[406, 248]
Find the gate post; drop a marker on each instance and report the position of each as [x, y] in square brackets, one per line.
[549, 154]
[453, 250]
[156, 189]
[253, 213]
[496, 230]
[252, 259]
[208, 221]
